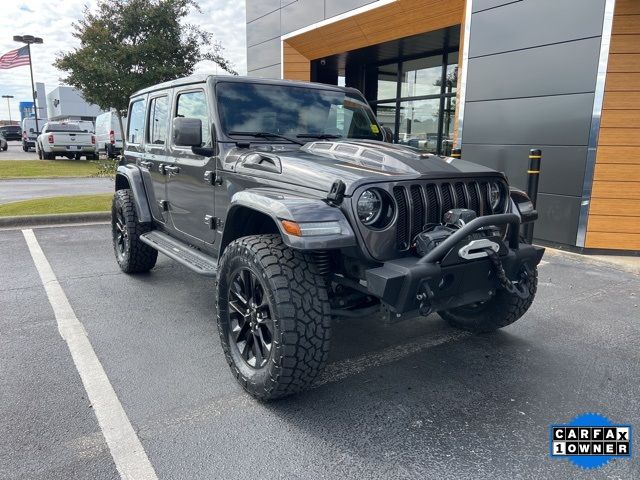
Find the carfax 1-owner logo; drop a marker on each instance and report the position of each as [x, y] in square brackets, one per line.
[590, 441]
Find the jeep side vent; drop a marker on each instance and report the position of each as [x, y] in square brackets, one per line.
[402, 229]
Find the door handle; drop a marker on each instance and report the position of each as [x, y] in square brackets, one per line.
[146, 165]
[172, 170]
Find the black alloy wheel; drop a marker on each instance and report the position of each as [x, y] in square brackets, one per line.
[250, 318]
[121, 235]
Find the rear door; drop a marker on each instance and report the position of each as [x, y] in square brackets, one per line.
[189, 187]
[141, 115]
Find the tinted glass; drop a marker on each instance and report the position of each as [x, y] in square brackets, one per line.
[386, 113]
[158, 116]
[419, 124]
[387, 82]
[288, 110]
[62, 127]
[422, 77]
[136, 122]
[452, 73]
[194, 105]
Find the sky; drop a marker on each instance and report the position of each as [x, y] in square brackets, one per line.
[52, 20]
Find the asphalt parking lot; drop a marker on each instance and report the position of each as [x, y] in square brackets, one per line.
[412, 400]
[15, 152]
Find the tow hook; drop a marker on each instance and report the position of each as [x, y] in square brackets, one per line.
[424, 296]
[520, 289]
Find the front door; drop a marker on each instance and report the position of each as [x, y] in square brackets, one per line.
[189, 183]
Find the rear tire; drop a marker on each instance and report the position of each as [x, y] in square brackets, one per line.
[132, 255]
[273, 316]
[502, 310]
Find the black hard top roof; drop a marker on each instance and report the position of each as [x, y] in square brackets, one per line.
[202, 78]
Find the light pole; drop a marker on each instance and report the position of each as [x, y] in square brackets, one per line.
[29, 39]
[8, 105]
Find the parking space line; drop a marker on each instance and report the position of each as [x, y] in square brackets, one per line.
[126, 449]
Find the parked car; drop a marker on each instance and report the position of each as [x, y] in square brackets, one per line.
[30, 132]
[3, 143]
[85, 125]
[11, 132]
[286, 193]
[65, 139]
[108, 136]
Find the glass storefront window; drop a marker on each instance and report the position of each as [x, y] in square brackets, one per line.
[386, 114]
[416, 99]
[452, 74]
[421, 77]
[387, 82]
[419, 124]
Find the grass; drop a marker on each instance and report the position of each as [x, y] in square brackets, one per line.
[48, 168]
[51, 205]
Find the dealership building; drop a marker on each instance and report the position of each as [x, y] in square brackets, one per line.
[493, 77]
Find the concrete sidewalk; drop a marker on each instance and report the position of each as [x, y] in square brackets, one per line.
[29, 188]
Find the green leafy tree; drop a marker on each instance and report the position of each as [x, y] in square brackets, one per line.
[126, 45]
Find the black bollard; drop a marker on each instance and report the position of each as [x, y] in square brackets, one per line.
[533, 178]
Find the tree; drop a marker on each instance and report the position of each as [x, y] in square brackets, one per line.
[127, 45]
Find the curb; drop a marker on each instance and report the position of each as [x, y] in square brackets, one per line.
[56, 219]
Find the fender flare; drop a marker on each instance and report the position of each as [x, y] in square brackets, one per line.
[280, 206]
[133, 176]
[522, 205]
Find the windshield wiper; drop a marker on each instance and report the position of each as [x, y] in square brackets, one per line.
[319, 136]
[267, 135]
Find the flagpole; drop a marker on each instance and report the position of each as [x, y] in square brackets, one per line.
[33, 90]
[29, 39]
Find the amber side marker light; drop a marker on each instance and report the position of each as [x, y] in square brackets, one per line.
[292, 228]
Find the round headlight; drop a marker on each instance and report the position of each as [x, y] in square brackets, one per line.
[369, 207]
[495, 194]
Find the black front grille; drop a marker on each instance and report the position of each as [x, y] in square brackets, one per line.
[421, 204]
[402, 234]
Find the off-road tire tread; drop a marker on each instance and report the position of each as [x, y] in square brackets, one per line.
[142, 257]
[503, 310]
[302, 314]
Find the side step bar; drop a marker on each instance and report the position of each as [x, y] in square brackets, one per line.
[191, 258]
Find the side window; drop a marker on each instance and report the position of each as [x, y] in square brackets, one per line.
[136, 122]
[194, 105]
[158, 116]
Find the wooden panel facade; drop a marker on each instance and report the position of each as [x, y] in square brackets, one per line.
[616, 183]
[396, 20]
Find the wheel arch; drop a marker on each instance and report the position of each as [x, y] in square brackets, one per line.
[130, 177]
[259, 211]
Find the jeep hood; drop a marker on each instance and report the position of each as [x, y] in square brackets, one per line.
[319, 164]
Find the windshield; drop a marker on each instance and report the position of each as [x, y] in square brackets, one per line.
[298, 112]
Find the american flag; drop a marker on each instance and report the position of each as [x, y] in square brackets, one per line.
[15, 58]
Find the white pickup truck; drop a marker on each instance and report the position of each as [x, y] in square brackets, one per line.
[65, 139]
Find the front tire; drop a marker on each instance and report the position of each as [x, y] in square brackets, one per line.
[132, 255]
[502, 310]
[273, 316]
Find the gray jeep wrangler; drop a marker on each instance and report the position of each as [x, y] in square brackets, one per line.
[289, 196]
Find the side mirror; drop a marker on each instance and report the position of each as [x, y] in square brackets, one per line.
[388, 134]
[187, 132]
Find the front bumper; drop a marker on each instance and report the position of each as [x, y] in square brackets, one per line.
[450, 280]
